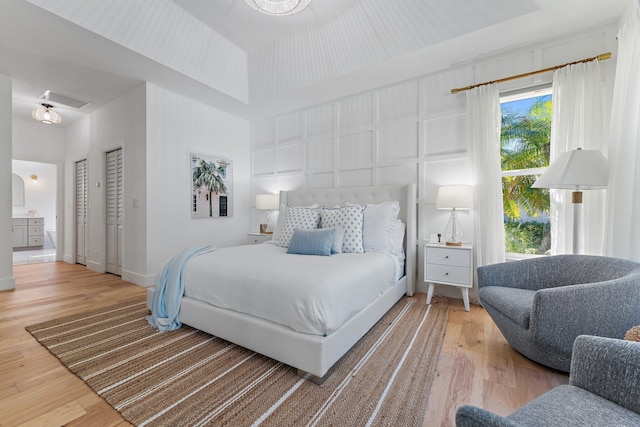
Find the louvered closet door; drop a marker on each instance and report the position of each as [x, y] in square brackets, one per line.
[114, 212]
[81, 212]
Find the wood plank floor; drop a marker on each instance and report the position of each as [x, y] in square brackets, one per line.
[476, 366]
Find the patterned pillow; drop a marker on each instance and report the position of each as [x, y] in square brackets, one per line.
[298, 218]
[351, 218]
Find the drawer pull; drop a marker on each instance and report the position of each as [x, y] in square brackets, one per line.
[446, 274]
[446, 257]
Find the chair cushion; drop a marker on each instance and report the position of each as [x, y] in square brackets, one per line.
[514, 303]
[567, 405]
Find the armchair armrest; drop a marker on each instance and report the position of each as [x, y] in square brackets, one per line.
[471, 416]
[609, 368]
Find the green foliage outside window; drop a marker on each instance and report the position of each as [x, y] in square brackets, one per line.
[525, 144]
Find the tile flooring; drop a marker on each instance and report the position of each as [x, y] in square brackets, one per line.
[32, 256]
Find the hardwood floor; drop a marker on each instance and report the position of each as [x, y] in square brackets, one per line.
[476, 366]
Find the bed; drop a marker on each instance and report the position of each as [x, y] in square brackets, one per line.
[312, 349]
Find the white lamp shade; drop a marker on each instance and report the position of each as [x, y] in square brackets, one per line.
[267, 201]
[576, 169]
[459, 197]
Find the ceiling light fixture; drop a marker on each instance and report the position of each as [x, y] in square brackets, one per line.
[45, 114]
[278, 7]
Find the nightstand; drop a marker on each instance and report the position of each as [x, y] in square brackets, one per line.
[449, 265]
[257, 238]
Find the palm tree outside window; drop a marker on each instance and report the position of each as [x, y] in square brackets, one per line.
[525, 143]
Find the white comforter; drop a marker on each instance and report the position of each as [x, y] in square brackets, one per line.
[310, 294]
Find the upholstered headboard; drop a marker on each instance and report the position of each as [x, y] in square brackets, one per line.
[404, 194]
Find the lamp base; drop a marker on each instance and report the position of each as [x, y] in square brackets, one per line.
[265, 229]
[453, 244]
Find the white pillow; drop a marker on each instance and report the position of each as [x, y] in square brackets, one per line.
[351, 218]
[298, 218]
[398, 238]
[282, 215]
[379, 225]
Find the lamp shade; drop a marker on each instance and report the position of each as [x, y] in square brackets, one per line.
[267, 201]
[576, 169]
[459, 197]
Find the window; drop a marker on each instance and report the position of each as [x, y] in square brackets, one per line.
[525, 142]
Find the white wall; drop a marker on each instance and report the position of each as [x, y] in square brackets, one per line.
[120, 124]
[414, 131]
[7, 280]
[176, 127]
[157, 130]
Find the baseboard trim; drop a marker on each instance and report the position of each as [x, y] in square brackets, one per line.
[139, 279]
[7, 283]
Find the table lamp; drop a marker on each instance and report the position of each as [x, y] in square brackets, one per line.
[454, 197]
[267, 202]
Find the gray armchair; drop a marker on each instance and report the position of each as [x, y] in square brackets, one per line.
[603, 390]
[541, 305]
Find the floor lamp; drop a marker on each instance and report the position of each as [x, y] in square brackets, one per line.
[576, 170]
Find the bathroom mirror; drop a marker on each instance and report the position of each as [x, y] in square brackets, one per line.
[17, 190]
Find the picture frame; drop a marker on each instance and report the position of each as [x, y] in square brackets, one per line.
[211, 179]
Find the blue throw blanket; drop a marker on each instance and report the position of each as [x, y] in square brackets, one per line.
[169, 290]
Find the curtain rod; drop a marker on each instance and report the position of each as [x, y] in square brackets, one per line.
[600, 57]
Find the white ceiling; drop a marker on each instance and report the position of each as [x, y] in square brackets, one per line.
[224, 53]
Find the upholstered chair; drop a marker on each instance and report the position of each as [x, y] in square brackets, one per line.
[542, 304]
[602, 391]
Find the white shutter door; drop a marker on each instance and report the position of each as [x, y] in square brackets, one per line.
[81, 212]
[114, 205]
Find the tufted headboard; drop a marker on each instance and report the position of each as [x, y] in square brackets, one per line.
[404, 194]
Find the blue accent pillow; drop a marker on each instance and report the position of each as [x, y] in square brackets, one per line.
[312, 242]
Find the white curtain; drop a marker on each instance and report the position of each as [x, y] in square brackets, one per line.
[483, 111]
[623, 194]
[577, 121]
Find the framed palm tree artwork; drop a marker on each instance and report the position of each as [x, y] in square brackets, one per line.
[211, 186]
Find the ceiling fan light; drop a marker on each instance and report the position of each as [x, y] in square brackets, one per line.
[45, 114]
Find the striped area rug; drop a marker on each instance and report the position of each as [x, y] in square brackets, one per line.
[188, 377]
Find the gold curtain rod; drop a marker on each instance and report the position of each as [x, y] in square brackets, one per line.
[600, 57]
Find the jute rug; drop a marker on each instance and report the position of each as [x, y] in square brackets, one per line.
[188, 377]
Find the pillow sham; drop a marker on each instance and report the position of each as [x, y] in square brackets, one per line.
[378, 231]
[282, 215]
[298, 218]
[351, 219]
[312, 242]
[398, 238]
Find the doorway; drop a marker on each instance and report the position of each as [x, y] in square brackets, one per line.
[34, 211]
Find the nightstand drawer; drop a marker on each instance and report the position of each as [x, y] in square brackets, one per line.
[449, 274]
[444, 256]
[257, 238]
